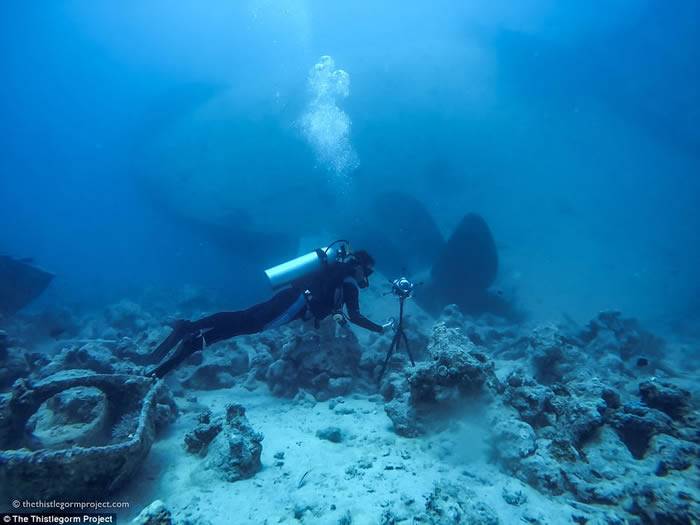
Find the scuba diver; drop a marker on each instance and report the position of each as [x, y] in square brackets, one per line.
[314, 286]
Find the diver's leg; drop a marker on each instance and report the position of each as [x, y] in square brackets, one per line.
[205, 331]
[285, 306]
[224, 325]
[221, 326]
[223, 322]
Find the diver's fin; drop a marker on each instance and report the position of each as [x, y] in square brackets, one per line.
[190, 344]
[181, 328]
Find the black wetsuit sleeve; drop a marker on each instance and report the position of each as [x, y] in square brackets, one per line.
[351, 296]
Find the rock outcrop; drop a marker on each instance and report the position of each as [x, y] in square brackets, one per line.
[455, 371]
[609, 332]
[582, 428]
[637, 424]
[452, 503]
[320, 362]
[235, 452]
[216, 368]
[14, 364]
[198, 439]
[155, 514]
[231, 448]
[666, 397]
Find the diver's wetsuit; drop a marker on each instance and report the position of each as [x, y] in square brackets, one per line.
[324, 298]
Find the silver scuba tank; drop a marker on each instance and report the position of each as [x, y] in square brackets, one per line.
[306, 265]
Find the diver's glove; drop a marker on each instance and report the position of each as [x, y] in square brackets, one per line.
[389, 325]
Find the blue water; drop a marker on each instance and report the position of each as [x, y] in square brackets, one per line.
[130, 128]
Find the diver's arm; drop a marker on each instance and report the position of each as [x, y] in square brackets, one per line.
[352, 303]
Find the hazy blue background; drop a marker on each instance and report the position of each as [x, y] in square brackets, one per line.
[571, 126]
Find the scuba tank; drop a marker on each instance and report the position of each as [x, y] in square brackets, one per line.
[307, 265]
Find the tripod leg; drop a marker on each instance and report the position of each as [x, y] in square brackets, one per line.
[389, 353]
[408, 348]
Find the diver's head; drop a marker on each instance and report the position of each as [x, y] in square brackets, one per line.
[363, 267]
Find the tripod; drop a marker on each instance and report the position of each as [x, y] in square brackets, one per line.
[399, 336]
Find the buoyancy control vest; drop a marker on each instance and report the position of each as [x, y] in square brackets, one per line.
[320, 275]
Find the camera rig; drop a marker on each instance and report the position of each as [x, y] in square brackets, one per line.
[403, 289]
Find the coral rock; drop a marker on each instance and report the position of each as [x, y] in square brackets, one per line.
[317, 361]
[89, 356]
[513, 494]
[127, 316]
[666, 397]
[14, 364]
[404, 417]
[332, 434]
[452, 503]
[656, 502]
[235, 452]
[512, 440]
[541, 470]
[155, 514]
[218, 370]
[453, 372]
[637, 424]
[198, 439]
[455, 369]
[534, 402]
[609, 332]
[672, 453]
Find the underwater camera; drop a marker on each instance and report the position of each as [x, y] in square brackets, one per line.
[402, 287]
